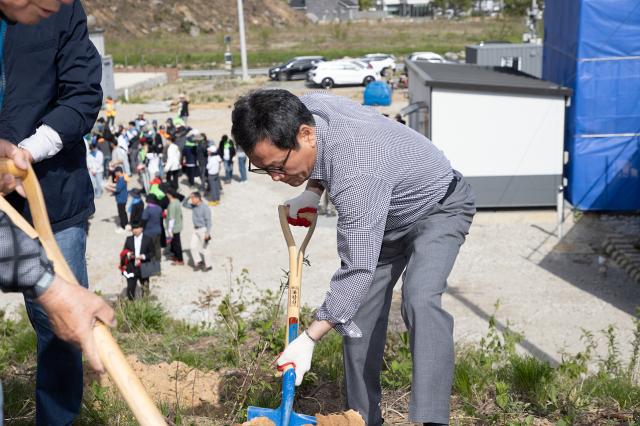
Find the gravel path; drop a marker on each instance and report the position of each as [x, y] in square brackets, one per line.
[548, 290]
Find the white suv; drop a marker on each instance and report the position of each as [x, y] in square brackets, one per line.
[426, 57]
[381, 62]
[328, 74]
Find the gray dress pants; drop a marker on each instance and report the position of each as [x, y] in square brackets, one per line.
[425, 252]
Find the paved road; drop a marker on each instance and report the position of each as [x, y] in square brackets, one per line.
[219, 73]
[211, 73]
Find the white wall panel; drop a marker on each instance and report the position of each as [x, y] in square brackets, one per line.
[488, 134]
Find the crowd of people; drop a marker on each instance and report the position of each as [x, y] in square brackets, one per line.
[151, 211]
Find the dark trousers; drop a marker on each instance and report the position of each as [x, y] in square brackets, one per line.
[132, 283]
[105, 173]
[59, 375]
[214, 188]
[191, 174]
[157, 247]
[122, 214]
[172, 178]
[176, 246]
[203, 179]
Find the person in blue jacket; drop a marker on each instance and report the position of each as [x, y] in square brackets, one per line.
[50, 97]
[122, 195]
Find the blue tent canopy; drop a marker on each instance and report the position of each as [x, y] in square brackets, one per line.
[593, 47]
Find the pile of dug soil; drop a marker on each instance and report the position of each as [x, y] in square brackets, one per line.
[348, 418]
[175, 383]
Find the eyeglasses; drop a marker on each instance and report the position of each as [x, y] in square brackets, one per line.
[271, 170]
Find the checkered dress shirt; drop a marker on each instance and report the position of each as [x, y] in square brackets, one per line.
[381, 175]
[22, 260]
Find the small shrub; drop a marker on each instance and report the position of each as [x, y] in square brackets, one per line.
[397, 367]
[141, 315]
[605, 388]
[529, 378]
[18, 341]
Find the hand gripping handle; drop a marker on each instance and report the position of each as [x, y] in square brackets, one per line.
[296, 258]
[130, 387]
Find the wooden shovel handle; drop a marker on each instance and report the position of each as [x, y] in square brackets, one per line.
[110, 354]
[296, 258]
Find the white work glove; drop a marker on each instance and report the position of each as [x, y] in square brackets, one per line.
[307, 202]
[299, 353]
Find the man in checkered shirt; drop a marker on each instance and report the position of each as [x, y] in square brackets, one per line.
[401, 208]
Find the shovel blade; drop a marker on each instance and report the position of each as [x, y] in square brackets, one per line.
[283, 415]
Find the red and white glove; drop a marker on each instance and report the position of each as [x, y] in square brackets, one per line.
[307, 202]
[298, 353]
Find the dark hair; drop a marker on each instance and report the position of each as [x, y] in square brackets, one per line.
[132, 123]
[197, 195]
[136, 225]
[100, 120]
[275, 115]
[118, 169]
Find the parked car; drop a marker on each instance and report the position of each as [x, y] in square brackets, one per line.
[296, 67]
[426, 57]
[381, 62]
[328, 74]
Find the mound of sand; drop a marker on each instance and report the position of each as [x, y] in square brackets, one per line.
[175, 383]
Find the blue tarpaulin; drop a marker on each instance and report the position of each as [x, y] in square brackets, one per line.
[593, 47]
[378, 93]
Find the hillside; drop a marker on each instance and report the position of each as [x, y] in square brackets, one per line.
[125, 18]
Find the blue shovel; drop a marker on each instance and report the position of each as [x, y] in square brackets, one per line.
[284, 414]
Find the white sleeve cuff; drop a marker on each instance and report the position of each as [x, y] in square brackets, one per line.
[43, 144]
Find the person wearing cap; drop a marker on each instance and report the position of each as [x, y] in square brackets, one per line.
[213, 175]
[136, 206]
[138, 249]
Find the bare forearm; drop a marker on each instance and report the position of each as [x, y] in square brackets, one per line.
[318, 329]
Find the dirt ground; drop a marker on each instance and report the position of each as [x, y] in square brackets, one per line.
[548, 289]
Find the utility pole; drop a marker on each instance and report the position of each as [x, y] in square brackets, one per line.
[243, 43]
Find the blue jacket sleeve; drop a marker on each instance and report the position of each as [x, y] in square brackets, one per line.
[121, 186]
[79, 68]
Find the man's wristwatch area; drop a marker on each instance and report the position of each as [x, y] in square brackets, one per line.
[43, 283]
[24, 266]
[311, 338]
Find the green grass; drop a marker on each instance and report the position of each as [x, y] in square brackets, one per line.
[268, 46]
[493, 383]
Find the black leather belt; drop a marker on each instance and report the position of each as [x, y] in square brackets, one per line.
[450, 189]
